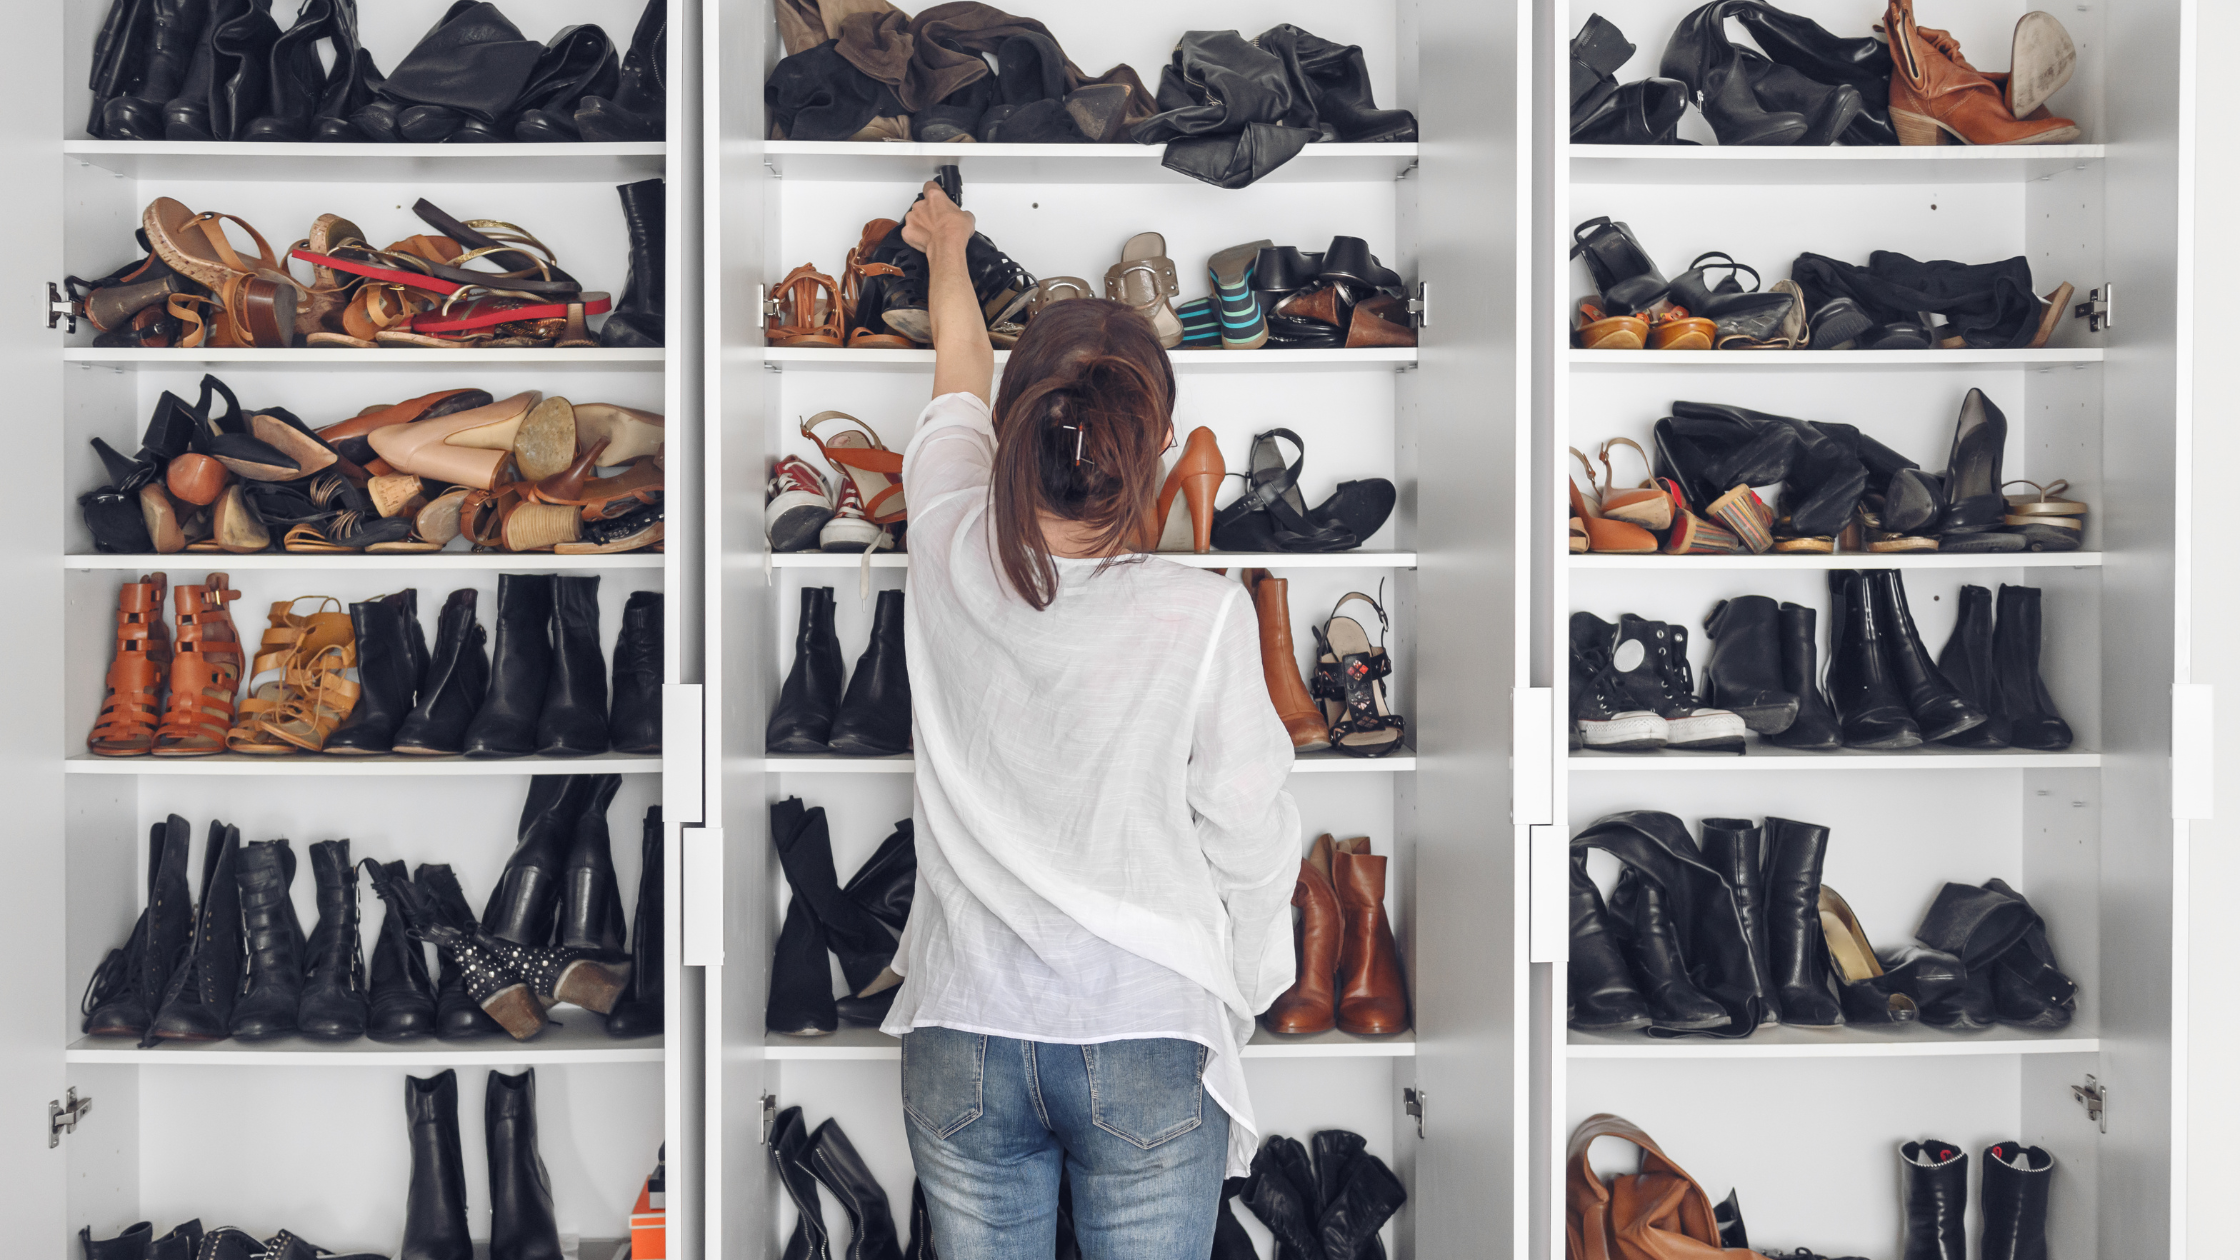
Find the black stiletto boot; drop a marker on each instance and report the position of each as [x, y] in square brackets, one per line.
[834, 1161]
[1744, 673]
[1815, 728]
[1861, 682]
[392, 653]
[1970, 665]
[640, 1012]
[1937, 709]
[334, 990]
[458, 1017]
[520, 669]
[129, 985]
[273, 987]
[1796, 852]
[526, 904]
[435, 1200]
[874, 716]
[2016, 1179]
[1935, 1200]
[640, 319]
[802, 722]
[634, 724]
[2033, 723]
[1735, 847]
[573, 721]
[452, 687]
[789, 1155]
[800, 1002]
[521, 1220]
[198, 1000]
[590, 900]
[401, 999]
[1602, 993]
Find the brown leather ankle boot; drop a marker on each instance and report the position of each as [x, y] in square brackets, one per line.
[1372, 994]
[1279, 661]
[1310, 1005]
[1933, 91]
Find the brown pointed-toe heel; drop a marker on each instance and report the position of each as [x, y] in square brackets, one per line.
[1196, 478]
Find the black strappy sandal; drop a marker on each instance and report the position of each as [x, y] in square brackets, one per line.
[1349, 676]
[1271, 515]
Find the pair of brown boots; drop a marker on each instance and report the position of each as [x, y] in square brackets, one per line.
[1349, 966]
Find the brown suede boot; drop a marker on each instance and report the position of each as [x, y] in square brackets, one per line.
[1933, 91]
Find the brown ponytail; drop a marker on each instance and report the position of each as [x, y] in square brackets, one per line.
[1081, 421]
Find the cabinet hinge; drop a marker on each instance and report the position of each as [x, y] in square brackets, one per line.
[1419, 306]
[63, 1117]
[769, 1117]
[1412, 1100]
[2098, 310]
[765, 303]
[60, 308]
[2093, 1097]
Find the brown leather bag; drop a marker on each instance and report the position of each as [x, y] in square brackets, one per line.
[1659, 1213]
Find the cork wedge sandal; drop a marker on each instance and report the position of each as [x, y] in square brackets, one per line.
[132, 707]
[205, 672]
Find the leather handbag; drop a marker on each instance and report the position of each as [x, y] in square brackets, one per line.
[1659, 1213]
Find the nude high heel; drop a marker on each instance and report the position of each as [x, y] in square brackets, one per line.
[1197, 476]
[629, 433]
[496, 430]
[424, 449]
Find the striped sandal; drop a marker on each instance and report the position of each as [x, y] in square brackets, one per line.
[1244, 326]
[858, 455]
[131, 709]
[289, 636]
[205, 672]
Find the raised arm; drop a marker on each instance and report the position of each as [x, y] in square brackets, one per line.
[964, 362]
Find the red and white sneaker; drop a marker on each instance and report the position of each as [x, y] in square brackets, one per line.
[849, 529]
[798, 506]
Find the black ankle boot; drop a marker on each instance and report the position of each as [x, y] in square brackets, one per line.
[273, 986]
[297, 79]
[638, 110]
[520, 669]
[400, 998]
[526, 903]
[1735, 847]
[789, 1155]
[521, 1221]
[590, 900]
[862, 943]
[198, 1000]
[1937, 709]
[458, 1017]
[2016, 1182]
[453, 686]
[1602, 993]
[800, 1001]
[640, 319]
[1861, 684]
[634, 724]
[573, 721]
[640, 1012]
[1969, 664]
[834, 1161]
[874, 716]
[130, 983]
[334, 989]
[1816, 728]
[802, 722]
[1795, 853]
[184, 1242]
[132, 1244]
[1744, 674]
[435, 1199]
[392, 652]
[1935, 1200]
[2033, 722]
[176, 25]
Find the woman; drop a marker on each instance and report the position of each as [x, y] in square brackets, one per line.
[1106, 852]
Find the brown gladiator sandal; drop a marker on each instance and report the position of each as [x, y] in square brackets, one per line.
[129, 713]
[205, 672]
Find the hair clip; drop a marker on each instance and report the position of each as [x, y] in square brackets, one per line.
[1079, 432]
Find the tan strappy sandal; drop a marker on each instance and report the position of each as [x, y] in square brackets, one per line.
[319, 697]
[205, 672]
[1646, 505]
[1145, 280]
[858, 269]
[858, 455]
[808, 310]
[132, 706]
[289, 636]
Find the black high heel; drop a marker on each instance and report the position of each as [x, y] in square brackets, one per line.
[1623, 272]
[227, 438]
[1975, 472]
[1349, 676]
[1271, 515]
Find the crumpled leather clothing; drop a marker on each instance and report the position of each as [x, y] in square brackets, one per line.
[1232, 110]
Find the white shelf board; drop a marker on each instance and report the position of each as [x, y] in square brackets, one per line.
[1304, 763]
[467, 561]
[815, 359]
[1764, 756]
[845, 160]
[1906, 1041]
[840, 560]
[1833, 164]
[1824, 360]
[248, 161]
[396, 764]
[602, 357]
[870, 1044]
[1844, 560]
[579, 1037]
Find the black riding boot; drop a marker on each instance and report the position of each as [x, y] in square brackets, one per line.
[526, 904]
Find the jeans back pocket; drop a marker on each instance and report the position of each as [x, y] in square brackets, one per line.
[941, 1072]
[1146, 1091]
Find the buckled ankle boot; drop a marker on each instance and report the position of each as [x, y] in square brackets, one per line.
[573, 721]
[639, 1012]
[874, 716]
[391, 655]
[132, 1244]
[458, 1016]
[639, 318]
[272, 989]
[1935, 1200]
[638, 110]
[634, 724]
[863, 945]
[1310, 1005]
[1815, 728]
[1970, 665]
[1937, 709]
[520, 669]
[198, 1000]
[1735, 847]
[2033, 723]
[435, 1198]
[789, 1155]
[526, 904]
[1602, 995]
[590, 900]
[452, 687]
[334, 989]
[807, 703]
[1279, 664]
[176, 25]
[800, 1002]
[129, 985]
[1372, 994]
[1795, 853]
[1744, 673]
[833, 1159]
[2016, 1181]
[400, 998]
[521, 1221]
[297, 79]
[1861, 683]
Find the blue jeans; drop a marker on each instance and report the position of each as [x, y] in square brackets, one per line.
[993, 1122]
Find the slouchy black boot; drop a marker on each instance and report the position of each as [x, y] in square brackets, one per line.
[1861, 682]
[810, 698]
[470, 66]
[526, 904]
[2033, 723]
[351, 82]
[520, 669]
[1969, 664]
[1735, 847]
[834, 1161]
[640, 319]
[634, 724]
[789, 1154]
[2016, 1179]
[521, 1220]
[241, 44]
[1602, 994]
[800, 1002]
[296, 78]
[121, 52]
[334, 989]
[1744, 674]
[452, 687]
[638, 110]
[391, 655]
[1816, 728]
[862, 943]
[1644, 914]
[176, 25]
[640, 1012]
[272, 990]
[458, 1016]
[1935, 1199]
[1796, 852]
[435, 1199]
[400, 998]
[1937, 709]
[573, 720]
[198, 1001]
[874, 717]
[576, 62]
[129, 985]
[590, 900]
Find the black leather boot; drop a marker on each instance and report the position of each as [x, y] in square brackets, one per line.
[400, 998]
[458, 1017]
[1744, 673]
[639, 108]
[198, 1001]
[184, 1242]
[186, 116]
[297, 79]
[272, 989]
[351, 82]
[1735, 847]
[470, 66]
[1815, 728]
[392, 653]
[453, 686]
[241, 46]
[640, 319]
[874, 716]
[175, 26]
[1969, 664]
[521, 1221]
[1935, 1200]
[579, 61]
[861, 942]
[1795, 853]
[132, 1244]
[1282, 1192]
[789, 1155]
[2016, 1182]
[640, 1012]
[526, 904]
[800, 1001]
[1861, 683]
[802, 722]
[435, 1199]
[2033, 723]
[1359, 1193]
[590, 900]
[834, 1161]
[1937, 709]
[573, 721]
[520, 669]
[130, 983]
[334, 989]
[1645, 918]
[634, 724]
[120, 60]
[1602, 994]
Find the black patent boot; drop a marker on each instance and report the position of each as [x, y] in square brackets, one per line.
[2016, 1181]
[590, 900]
[2033, 723]
[573, 721]
[458, 1017]
[198, 1001]
[789, 1155]
[834, 1161]
[640, 1011]
[129, 985]
[1735, 847]
[1816, 728]
[862, 943]
[400, 997]
[1602, 993]
[1937, 709]
[1795, 854]
[391, 654]
[634, 723]
[453, 685]
[800, 1001]
[1643, 916]
[521, 1221]
[639, 319]
[802, 722]
[639, 108]
[520, 669]
[435, 1198]
[1935, 1200]
[176, 25]
[526, 904]
[1969, 664]
[334, 989]
[1861, 683]
[272, 989]
[874, 716]
[1744, 674]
